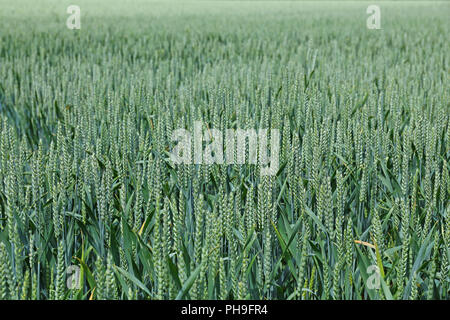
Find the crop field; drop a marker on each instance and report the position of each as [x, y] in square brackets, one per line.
[347, 199]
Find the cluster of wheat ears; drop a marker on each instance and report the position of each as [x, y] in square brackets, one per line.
[358, 208]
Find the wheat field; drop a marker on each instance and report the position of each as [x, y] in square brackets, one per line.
[93, 207]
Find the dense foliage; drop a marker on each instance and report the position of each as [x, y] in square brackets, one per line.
[86, 123]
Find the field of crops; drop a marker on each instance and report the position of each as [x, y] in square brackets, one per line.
[92, 205]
